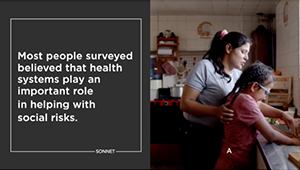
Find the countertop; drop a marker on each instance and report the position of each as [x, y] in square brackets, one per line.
[277, 156]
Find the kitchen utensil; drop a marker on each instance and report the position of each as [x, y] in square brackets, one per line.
[164, 93]
[184, 63]
[176, 91]
[295, 157]
[180, 70]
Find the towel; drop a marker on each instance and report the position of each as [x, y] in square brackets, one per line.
[157, 69]
[168, 68]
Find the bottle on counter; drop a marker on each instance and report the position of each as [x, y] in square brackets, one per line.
[194, 61]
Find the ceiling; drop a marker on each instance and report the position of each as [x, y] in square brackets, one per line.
[213, 7]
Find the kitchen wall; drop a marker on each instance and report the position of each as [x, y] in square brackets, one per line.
[190, 44]
[287, 44]
[287, 37]
[186, 28]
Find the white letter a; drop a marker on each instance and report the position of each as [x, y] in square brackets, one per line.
[228, 150]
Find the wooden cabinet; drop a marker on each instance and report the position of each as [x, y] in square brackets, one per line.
[260, 161]
[167, 49]
[281, 93]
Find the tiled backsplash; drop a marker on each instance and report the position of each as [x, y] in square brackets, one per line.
[189, 57]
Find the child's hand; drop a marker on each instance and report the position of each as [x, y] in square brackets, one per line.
[289, 121]
[297, 125]
[296, 141]
[290, 135]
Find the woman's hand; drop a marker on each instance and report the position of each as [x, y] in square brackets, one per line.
[224, 114]
[289, 121]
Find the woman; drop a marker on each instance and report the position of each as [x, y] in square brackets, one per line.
[204, 92]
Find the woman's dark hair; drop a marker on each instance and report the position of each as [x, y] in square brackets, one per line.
[218, 49]
[257, 72]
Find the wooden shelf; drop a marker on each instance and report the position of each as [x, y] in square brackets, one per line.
[167, 45]
[281, 93]
[170, 44]
[167, 39]
[166, 58]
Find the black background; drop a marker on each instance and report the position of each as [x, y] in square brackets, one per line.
[117, 97]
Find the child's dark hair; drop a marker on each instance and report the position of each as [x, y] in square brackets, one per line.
[257, 72]
[218, 49]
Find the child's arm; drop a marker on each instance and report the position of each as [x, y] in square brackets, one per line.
[269, 111]
[282, 132]
[272, 135]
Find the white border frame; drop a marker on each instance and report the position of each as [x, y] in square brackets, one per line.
[141, 94]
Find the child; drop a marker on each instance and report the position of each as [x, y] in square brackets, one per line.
[238, 147]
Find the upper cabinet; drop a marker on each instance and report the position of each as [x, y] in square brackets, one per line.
[167, 49]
